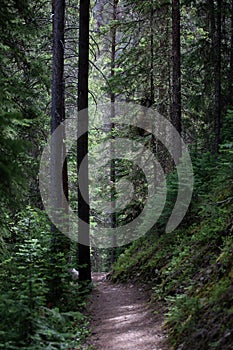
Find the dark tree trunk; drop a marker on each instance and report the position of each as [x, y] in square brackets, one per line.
[154, 142]
[217, 69]
[112, 127]
[59, 243]
[58, 109]
[82, 144]
[176, 64]
[152, 88]
[231, 63]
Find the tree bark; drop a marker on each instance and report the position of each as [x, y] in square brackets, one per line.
[82, 145]
[58, 109]
[217, 66]
[59, 243]
[112, 128]
[152, 87]
[176, 64]
[231, 63]
[176, 81]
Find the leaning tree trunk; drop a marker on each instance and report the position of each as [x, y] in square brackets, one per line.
[82, 145]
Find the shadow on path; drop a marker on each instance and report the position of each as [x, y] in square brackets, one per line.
[121, 319]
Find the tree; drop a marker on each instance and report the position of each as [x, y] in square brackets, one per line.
[176, 67]
[230, 99]
[112, 129]
[59, 243]
[82, 144]
[217, 69]
[21, 78]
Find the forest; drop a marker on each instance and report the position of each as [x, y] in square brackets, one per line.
[116, 160]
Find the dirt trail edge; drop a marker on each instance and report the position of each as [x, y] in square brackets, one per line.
[121, 319]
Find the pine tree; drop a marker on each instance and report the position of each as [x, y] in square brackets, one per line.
[59, 243]
[176, 67]
[82, 144]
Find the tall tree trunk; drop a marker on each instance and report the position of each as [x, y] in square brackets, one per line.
[82, 144]
[152, 88]
[59, 243]
[112, 128]
[155, 144]
[58, 106]
[176, 64]
[217, 69]
[231, 63]
[176, 80]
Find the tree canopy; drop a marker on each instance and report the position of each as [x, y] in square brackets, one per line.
[113, 74]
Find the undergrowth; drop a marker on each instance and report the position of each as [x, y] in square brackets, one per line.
[191, 269]
[28, 320]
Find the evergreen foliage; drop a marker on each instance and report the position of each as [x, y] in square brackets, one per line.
[28, 320]
[189, 270]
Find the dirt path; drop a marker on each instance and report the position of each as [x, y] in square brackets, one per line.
[121, 319]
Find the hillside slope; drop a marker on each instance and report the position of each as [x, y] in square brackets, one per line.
[191, 269]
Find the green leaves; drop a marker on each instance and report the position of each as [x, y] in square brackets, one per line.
[56, 330]
[191, 268]
[24, 274]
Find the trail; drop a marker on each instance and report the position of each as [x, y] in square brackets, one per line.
[121, 319]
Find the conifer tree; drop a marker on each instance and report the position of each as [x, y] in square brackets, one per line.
[82, 144]
[59, 243]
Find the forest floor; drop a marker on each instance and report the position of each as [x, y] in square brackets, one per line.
[121, 318]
